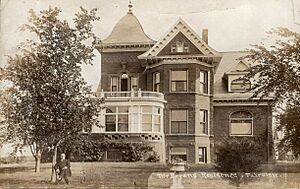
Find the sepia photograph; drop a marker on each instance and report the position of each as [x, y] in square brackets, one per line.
[150, 94]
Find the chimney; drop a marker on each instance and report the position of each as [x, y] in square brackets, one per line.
[205, 35]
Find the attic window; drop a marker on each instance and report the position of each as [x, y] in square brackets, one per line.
[240, 85]
[179, 47]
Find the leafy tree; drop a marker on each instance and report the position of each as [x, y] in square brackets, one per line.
[277, 73]
[290, 125]
[241, 157]
[47, 101]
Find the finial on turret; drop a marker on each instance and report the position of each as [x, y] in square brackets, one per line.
[130, 7]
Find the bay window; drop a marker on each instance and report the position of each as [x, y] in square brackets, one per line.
[178, 80]
[204, 82]
[156, 81]
[203, 122]
[178, 121]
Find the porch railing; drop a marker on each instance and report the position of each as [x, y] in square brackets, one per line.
[131, 94]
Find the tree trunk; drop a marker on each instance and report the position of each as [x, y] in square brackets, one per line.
[53, 175]
[37, 160]
[36, 152]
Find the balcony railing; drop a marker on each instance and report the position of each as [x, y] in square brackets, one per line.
[131, 94]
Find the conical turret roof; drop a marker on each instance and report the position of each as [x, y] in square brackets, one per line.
[128, 31]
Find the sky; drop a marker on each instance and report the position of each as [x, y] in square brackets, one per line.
[232, 24]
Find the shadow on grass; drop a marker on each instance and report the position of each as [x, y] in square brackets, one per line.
[15, 169]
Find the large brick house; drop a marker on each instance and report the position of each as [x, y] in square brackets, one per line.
[176, 94]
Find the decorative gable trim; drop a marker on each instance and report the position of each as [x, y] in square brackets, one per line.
[180, 26]
[236, 68]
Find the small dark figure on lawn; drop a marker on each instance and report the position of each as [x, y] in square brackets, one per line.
[63, 169]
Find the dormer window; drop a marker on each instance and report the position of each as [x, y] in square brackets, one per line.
[179, 47]
[240, 85]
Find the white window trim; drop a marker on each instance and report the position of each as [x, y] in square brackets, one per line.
[187, 80]
[111, 82]
[207, 82]
[241, 135]
[207, 122]
[187, 123]
[154, 81]
[206, 154]
[116, 114]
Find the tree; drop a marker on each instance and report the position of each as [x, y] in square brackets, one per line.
[277, 73]
[47, 100]
[290, 124]
[241, 157]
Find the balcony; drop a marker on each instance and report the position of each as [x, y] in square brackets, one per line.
[132, 95]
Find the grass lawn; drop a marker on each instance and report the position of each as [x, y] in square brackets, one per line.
[104, 174]
[84, 175]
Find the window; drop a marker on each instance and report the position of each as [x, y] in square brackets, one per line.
[204, 82]
[156, 81]
[179, 80]
[240, 85]
[135, 120]
[178, 153]
[157, 119]
[186, 48]
[203, 122]
[116, 119]
[178, 121]
[173, 48]
[134, 83]
[180, 47]
[241, 123]
[123, 118]
[151, 119]
[202, 155]
[114, 83]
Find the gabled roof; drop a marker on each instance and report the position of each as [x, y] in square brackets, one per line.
[229, 63]
[128, 31]
[238, 67]
[183, 27]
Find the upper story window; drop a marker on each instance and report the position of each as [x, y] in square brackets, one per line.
[204, 82]
[179, 121]
[241, 124]
[156, 81]
[178, 80]
[180, 47]
[134, 83]
[240, 85]
[203, 121]
[114, 83]
[116, 119]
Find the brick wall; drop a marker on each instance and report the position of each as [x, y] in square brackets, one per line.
[111, 64]
[261, 122]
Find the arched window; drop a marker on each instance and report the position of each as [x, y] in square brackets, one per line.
[241, 124]
[240, 85]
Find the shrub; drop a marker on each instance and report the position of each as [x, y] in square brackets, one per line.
[94, 150]
[154, 157]
[240, 156]
[132, 152]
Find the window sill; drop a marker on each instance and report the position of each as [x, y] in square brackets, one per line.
[241, 135]
[201, 163]
[187, 134]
